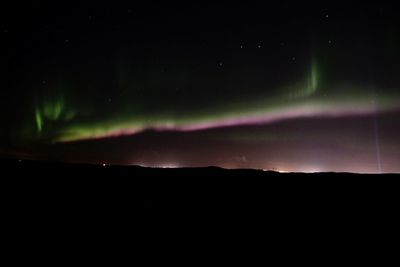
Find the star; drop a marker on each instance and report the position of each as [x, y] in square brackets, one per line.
[327, 16]
[293, 58]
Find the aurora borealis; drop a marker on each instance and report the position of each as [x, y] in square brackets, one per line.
[292, 87]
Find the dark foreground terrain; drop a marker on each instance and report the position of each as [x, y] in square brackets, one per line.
[115, 206]
[60, 184]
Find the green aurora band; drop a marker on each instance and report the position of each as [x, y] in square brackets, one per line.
[55, 121]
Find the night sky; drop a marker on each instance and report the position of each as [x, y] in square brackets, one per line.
[289, 87]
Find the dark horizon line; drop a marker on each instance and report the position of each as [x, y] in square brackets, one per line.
[188, 168]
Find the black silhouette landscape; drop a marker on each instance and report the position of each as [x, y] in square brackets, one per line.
[135, 186]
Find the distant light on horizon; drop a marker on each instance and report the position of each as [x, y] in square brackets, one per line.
[168, 166]
[283, 171]
[164, 165]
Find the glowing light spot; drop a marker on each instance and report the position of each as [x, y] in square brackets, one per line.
[168, 165]
[311, 169]
[283, 171]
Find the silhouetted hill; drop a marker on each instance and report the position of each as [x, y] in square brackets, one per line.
[73, 202]
[48, 169]
[63, 184]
